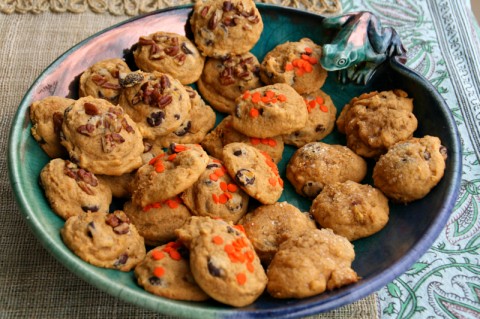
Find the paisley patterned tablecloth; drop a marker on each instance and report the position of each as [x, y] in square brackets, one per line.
[443, 46]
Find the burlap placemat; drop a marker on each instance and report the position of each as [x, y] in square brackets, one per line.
[32, 283]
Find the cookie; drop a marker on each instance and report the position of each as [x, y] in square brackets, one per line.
[320, 121]
[223, 261]
[317, 164]
[254, 171]
[104, 240]
[156, 101]
[168, 174]
[375, 121]
[170, 53]
[224, 134]
[101, 138]
[351, 210]
[225, 79]
[310, 264]
[216, 194]
[71, 190]
[269, 111]
[101, 80]
[46, 116]
[196, 125]
[165, 272]
[157, 222]
[410, 169]
[296, 64]
[222, 28]
[119, 185]
[269, 225]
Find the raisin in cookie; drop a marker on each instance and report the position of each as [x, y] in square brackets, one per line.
[104, 240]
[223, 261]
[216, 194]
[317, 164]
[410, 169]
[269, 225]
[254, 171]
[320, 122]
[102, 80]
[47, 117]
[269, 111]
[225, 79]
[165, 272]
[71, 190]
[169, 53]
[168, 174]
[221, 28]
[350, 209]
[156, 101]
[309, 264]
[296, 64]
[157, 222]
[375, 121]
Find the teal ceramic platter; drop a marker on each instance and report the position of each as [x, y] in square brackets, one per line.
[380, 258]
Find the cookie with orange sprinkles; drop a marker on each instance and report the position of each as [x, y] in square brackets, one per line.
[165, 272]
[223, 261]
[254, 171]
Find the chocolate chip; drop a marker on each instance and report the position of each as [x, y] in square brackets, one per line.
[122, 260]
[183, 129]
[312, 189]
[155, 281]
[245, 177]
[235, 204]
[320, 128]
[227, 6]
[156, 118]
[212, 269]
[91, 208]
[90, 229]
[213, 165]
[238, 152]
[185, 49]
[427, 156]
[443, 150]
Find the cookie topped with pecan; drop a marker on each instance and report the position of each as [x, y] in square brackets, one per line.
[169, 53]
[225, 27]
[100, 137]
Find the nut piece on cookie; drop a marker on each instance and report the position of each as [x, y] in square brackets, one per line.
[101, 80]
[410, 169]
[222, 28]
[309, 264]
[254, 171]
[72, 190]
[47, 117]
[351, 210]
[165, 272]
[375, 121]
[296, 64]
[269, 225]
[223, 261]
[224, 79]
[101, 138]
[269, 111]
[104, 240]
[169, 53]
[317, 164]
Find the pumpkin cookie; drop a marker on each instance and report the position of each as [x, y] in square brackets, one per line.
[104, 240]
[225, 79]
[296, 64]
[254, 171]
[121, 186]
[350, 209]
[169, 53]
[223, 261]
[222, 28]
[317, 164]
[410, 169]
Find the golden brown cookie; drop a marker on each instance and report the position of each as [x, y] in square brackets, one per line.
[104, 240]
[225, 79]
[410, 169]
[169, 53]
[119, 185]
[351, 210]
[296, 64]
[309, 264]
[317, 164]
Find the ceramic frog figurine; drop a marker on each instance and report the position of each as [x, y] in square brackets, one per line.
[359, 46]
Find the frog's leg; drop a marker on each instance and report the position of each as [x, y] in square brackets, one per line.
[384, 40]
[338, 21]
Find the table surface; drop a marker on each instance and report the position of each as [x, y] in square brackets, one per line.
[445, 282]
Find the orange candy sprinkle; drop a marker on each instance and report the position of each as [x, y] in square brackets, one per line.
[288, 67]
[241, 278]
[308, 50]
[157, 255]
[229, 249]
[172, 157]
[319, 99]
[223, 186]
[179, 148]
[250, 255]
[240, 228]
[222, 199]
[159, 168]
[229, 196]
[270, 94]
[215, 198]
[217, 240]
[272, 142]
[232, 188]
[254, 140]
[272, 181]
[219, 171]
[280, 181]
[213, 177]
[281, 98]
[159, 271]
[323, 108]
[246, 95]
[175, 255]
[254, 112]
[256, 97]
[172, 203]
[250, 267]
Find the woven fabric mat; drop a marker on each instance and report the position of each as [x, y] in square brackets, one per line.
[32, 283]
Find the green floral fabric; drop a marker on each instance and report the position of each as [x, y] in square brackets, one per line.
[442, 43]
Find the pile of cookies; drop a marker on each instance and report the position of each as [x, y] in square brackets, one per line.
[200, 216]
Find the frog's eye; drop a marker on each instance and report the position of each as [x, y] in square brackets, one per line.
[341, 62]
